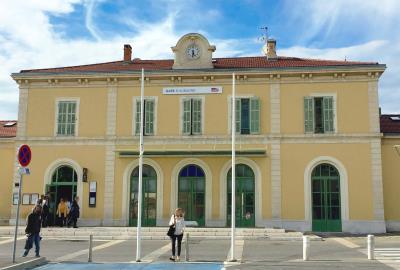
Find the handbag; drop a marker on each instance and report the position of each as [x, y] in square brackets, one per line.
[171, 229]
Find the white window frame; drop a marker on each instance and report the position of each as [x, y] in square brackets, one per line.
[230, 112]
[66, 99]
[321, 95]
[134, 100]
[182, 98]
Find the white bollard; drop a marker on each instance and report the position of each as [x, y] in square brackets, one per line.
[187, 247]
[371, 247]
[90, 258]
[306, 247]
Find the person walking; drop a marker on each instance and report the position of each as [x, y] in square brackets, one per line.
[74, 213]
[178, 222]
[62, 212]
[32, 230]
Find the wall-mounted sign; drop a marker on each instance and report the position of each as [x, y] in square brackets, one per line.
[92, 193]
[192, 90]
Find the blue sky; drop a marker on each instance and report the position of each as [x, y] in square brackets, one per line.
[50, 33]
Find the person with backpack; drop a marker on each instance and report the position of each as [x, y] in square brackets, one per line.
[32, 231]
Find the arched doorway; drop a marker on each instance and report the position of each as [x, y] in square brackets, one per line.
[64, 183]
[191, 193]
[326, 210]
[149, 193]
[245, 196]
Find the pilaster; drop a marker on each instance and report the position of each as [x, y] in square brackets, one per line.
[377, 186]
[275, 99]
[373, 105]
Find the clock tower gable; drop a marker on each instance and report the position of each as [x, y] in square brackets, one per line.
[193, 51]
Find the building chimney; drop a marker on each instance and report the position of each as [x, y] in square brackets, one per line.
[269, 49]
[127, 53]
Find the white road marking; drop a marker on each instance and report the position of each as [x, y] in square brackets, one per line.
[238, 251]
[85, 251]
[155, 254]
[387, 256]
[11, 240]
[345, 242]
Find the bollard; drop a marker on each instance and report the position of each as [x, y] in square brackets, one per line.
[90, 248]
[371, 247]
[187, 247]
[306, 247]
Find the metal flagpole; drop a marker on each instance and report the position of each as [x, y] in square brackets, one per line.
[141, 149]
[233, 178]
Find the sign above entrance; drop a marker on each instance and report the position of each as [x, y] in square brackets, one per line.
[192, 90]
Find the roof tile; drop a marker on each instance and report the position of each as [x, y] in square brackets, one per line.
[8, 129]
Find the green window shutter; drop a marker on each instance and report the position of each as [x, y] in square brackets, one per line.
[254, 115]
[186, 121]
[137, 118]
[328, 114]
[309, 114]
[149, 117]
[66, 118]
[196, 116]
[238, 114]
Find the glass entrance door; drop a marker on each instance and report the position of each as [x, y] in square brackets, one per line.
[191, 193]
[326, 210]
[149, 199]
[245, 197]
[63, 185]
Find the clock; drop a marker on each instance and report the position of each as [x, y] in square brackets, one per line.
[193, 52]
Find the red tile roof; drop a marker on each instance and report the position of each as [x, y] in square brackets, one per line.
[390, 124]
[219, 63]
[8, 129]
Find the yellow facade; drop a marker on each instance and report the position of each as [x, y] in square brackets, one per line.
[282, 156]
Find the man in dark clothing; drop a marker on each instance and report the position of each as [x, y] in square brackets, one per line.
[33, 231]
[45, 211]
[74, 213]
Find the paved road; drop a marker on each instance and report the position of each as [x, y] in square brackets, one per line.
[331, 253]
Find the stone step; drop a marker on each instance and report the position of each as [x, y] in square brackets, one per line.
[126, 233]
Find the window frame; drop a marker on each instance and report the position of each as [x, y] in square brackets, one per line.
[56, 108]
[181, 114]
[334, 107]
[250, 97]
[134, 108]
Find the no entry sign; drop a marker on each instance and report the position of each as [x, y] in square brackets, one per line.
[24, 155]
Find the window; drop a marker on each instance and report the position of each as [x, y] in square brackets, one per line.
[247, 115]
[192, 114]
[148, 127]
[318, 115]
[66, 118]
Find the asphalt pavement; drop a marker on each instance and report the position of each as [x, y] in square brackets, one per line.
[330, 253]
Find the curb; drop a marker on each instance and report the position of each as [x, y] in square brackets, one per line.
[28, 264]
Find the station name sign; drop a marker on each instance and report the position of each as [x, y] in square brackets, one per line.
[192, 90]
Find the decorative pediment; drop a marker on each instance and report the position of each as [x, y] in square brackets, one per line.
[193, 51]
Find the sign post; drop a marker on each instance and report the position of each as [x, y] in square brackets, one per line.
[24, 158]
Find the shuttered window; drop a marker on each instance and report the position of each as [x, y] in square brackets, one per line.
[148, 128]
[66, 118]
[192, 114]
[247, 115]
[319, 114]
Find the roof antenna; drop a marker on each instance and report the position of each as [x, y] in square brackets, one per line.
[264, 35]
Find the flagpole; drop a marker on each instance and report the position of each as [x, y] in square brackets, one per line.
[233, 175]
[141, 150]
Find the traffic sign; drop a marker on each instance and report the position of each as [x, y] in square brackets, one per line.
[24, 155]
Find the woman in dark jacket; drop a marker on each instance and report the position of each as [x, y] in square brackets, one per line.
[74, 213]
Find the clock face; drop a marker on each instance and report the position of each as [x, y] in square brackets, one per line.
[193, 52]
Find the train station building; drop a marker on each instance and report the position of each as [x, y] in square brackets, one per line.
[311, 154]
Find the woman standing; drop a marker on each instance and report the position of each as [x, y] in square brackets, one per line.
[62, 212]
[178, 222]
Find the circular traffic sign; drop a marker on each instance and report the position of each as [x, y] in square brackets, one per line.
[24, 155]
